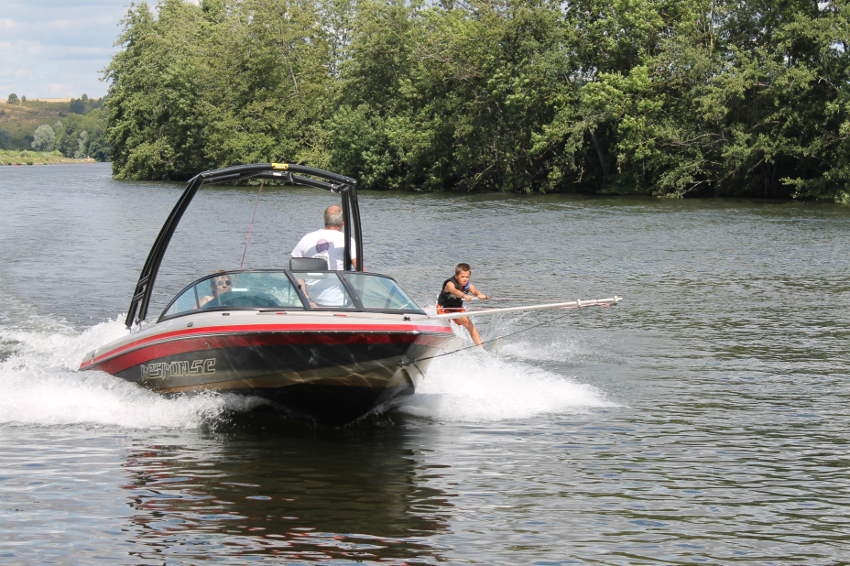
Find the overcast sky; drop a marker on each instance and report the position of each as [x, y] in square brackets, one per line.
[57, 48]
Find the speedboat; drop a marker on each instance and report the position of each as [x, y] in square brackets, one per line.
[331, 346]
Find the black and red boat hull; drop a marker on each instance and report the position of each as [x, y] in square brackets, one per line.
[332, 373]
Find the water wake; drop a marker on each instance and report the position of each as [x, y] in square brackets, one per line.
[41, 384]
[476, 385]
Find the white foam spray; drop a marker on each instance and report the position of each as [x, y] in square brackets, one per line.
[41, 386]
[476, 385]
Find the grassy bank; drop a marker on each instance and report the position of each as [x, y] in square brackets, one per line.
[15, 157]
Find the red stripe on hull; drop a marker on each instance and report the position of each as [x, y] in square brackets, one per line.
[191, 340]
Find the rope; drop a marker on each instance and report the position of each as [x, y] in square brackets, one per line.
[250, 232]
[497, 338]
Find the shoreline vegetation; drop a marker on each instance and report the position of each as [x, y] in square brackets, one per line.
[671, 99]
[26, 157]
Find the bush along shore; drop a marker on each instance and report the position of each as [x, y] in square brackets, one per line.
[14, 157]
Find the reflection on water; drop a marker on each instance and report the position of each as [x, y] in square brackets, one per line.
[346, 496]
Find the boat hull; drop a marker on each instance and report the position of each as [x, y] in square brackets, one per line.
[327, 368]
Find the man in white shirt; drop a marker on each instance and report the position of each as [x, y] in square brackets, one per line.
[328, 242]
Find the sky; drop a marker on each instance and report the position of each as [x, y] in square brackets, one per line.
[57, 48]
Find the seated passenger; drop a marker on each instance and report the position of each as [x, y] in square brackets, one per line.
[219, 285]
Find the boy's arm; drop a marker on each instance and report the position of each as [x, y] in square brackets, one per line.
[473, 290]
[452, 290]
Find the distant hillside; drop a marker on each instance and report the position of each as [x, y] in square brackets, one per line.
[20, 120]
[78, 126]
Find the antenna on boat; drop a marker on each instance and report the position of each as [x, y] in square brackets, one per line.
[250, 231]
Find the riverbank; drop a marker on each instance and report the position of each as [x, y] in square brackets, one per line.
[15, 157]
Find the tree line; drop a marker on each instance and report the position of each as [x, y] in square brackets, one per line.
[665, 97]
[76, 128]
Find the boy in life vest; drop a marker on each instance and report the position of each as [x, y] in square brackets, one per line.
[456, 290]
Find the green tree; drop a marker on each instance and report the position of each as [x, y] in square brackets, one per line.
[748, 101]
[667, 97]
[271, 71]
[605, 47]
[79, 105]
[156, 101]
[372, 80]
[216, 84]
[44, 138]
[6, 141]
[449, 98]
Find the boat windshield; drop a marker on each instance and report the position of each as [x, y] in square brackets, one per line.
[379, 292]
[285, 290]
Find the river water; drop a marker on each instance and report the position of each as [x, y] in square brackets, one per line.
[702, 420]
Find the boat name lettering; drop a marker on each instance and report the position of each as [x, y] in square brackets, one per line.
[164, 370]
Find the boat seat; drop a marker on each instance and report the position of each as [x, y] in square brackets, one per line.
[308, 264]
